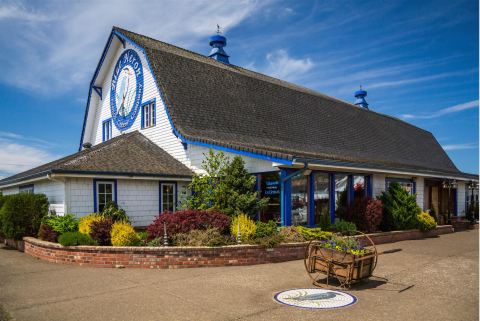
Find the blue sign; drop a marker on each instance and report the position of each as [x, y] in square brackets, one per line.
[272, 188]
[126, 91]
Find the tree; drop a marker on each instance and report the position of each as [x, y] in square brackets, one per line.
[225, 186]
[400, 209]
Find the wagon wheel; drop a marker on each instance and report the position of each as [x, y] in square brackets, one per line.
[324, 262]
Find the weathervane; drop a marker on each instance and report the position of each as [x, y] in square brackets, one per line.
[218, 29]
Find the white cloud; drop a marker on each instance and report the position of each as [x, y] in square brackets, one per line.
[15, 157]
[450, 147]
[445, 111]
[52, 55]
[281, 65]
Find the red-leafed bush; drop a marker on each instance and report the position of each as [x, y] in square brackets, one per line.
[100, 231]
[186, 221]
[366, 213]
[46, 233]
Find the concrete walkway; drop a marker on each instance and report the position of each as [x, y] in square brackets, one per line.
[443, 270]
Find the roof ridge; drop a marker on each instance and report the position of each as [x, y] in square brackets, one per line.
[276, 81]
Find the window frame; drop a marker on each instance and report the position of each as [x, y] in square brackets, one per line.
[389, 180]
[107, 129]
[175, 196]
[96, 198]
[29, 188]
[151, 118]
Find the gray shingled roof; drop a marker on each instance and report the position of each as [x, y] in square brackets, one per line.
[128, 154]
[229, 106]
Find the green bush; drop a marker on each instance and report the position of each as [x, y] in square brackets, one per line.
[426, 222]
[400, 209]
[21, 214]
[112, 211]
[313, 233]
[62, 224]
[269, 241]
[290, 234]
[265, 229]
[208, 237]
[344, 227]
[158, 241]
[75, 238]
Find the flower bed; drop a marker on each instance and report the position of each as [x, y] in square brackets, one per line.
[187, 257]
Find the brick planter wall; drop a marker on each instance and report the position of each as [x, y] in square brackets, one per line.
[188, 257]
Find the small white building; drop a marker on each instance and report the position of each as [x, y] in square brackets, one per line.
[154, 110]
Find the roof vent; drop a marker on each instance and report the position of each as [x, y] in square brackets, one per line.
[217, 42]
[360, 101]
[87, 145]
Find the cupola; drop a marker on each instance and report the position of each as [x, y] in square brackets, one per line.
[217, 42]
[360, 101]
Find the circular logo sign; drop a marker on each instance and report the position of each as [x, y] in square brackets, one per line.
[315, 298]
[126, 90]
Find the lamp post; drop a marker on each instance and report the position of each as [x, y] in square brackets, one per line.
[449, 184]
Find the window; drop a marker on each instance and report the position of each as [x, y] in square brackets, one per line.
[341, 191]
[321, 198]
[407, 184]
[168, 197]
[26, 189]
[107, 130]
[148, 114]
[270, 188]
[300, 200]
[105, 193]
[359, 187]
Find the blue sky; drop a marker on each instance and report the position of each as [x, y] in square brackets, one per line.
[418, 60]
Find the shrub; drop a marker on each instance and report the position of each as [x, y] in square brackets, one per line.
[112, 211]
[265, 229]
[365, 212]
[21, 214]
[142, 237]
[208, 237]
[246, 225]
[101, 231]
[426, 222]
[75, 238]
[400, 209]
[85, 222]
[344, 227]
[46, 233]
[123, 234]
[63, 224]
[158, 241]
[186, 221]
[313, 233]
[291, 234]
[269, 241]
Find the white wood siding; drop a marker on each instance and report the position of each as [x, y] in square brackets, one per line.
[161, 134]
[54, 190]
[79, 195]
[139, 199]
[378, 184]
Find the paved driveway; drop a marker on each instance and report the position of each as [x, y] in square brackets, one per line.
[443, 270]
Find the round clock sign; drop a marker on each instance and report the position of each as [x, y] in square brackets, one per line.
[126, 90]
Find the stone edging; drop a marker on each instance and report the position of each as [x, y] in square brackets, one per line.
[185, 257]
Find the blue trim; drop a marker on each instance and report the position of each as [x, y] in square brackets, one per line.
[455, 202]
[142, 107]
[95, 180]
[369, 187]
[331, 197]
[98, 90]
[350, 189]
[109, 121]
[311, 199]
[175, 195]
[92, 82]
[121, 40]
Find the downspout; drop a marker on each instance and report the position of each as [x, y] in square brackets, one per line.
[283, 180]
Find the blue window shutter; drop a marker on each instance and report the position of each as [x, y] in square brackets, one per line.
[143, 117]
[154, 111]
